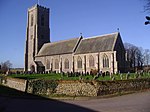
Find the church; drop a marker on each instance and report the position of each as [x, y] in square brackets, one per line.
[105, 53]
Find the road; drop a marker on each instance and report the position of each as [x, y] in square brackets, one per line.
[137, 102]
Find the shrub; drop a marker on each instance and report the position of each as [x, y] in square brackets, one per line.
[43, 86]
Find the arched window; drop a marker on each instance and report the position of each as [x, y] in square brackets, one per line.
[56, 64]
[105, 61]
[91, 61]
[79, 62]
[31, 20]
[42, 20]
[48, 64]
[66, 64]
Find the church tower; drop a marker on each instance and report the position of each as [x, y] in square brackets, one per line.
[37, 33]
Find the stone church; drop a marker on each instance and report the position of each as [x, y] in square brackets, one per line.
[104, 53]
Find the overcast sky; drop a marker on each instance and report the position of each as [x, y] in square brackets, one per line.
[69, 18]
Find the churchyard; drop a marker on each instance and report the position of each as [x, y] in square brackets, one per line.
[69, 76]
[76, 84]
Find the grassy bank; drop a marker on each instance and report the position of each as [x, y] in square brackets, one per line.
[53, 76]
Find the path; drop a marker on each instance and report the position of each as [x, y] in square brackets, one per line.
[137, 102]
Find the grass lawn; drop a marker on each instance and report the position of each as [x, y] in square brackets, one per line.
[54, 76]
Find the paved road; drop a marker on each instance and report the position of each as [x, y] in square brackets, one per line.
[137, 102]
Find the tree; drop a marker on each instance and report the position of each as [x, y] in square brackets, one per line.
[5, 66]
[134, 56]
[147, 6]
[139, 57]
[147, 9]
[146, 57]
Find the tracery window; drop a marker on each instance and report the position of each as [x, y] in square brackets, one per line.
[48, 64]
[66, 64]
[105, 61]
[91, 61]
[56, 64]
[79, 62]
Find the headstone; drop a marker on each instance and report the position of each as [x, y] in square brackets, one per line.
[8, 72]
[113, 78]
[121, 76]
[127, 75]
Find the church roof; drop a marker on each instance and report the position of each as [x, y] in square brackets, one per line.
[61, 47]
[97, 44]
[39, 63]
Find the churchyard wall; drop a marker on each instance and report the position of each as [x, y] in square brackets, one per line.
[77, 87]
[86, 88]
[15, 83]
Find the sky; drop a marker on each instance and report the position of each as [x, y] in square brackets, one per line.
[69, 18]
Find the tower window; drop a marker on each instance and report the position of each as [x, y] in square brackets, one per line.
[31, 37]
[42, 20]
[31, 20]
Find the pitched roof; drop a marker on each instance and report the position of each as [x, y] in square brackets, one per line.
[61, 47]
[97, 44]
[39, 63]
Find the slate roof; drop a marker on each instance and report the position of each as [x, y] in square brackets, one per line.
[39, 63]
[61, 47]
[97, 44]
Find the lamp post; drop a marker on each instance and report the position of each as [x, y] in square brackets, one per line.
[148, 20]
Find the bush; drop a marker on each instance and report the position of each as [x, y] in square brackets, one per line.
[43, 86]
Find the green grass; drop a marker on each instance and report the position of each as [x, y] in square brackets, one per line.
[34, 76]
[51, 76]
[54, 76]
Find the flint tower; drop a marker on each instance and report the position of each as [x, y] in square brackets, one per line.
[37, 33]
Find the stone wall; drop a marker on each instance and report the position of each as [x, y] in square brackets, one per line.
[19, 84]
[76, 88]
[111, 87]
[89, 88]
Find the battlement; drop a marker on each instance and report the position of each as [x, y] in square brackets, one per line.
[38, 6]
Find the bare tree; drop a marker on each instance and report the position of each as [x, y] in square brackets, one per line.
[134, 56]
[147, 9]
[146, 57]
[5, 66]
[147, 5]
[139, 58]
